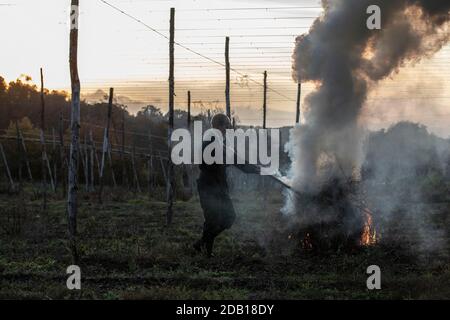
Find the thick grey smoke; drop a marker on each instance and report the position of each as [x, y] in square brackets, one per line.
[345, 60]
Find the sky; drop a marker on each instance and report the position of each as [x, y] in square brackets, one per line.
[116, 51]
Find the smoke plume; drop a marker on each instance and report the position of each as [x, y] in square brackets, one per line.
[345, 60]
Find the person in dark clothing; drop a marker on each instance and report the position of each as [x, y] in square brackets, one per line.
[215, 201]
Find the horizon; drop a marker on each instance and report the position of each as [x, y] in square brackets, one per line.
[116, 51]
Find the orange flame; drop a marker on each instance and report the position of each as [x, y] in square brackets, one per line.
[369, 234]
[306, 242]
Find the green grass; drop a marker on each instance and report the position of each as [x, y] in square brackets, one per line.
[128, 253]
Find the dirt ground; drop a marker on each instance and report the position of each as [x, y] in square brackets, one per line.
[128, 253]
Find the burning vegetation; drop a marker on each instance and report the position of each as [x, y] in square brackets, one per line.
[404, 170]
[369, 234]
[346, 60]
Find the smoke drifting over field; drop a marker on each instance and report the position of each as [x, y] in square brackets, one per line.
[345, 60]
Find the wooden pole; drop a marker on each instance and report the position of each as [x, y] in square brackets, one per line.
[97, 160]
[297, 113]
[27, 162]
[20, 155]
[263, 181]
[91, 160]
[43, 147]
[50, 174]
[150, 165]
[45, 160]
[189, 169]
[105, 150]
[189, 111]
[150, 175]
[72, 202]
[170, 180]
[62, 154]
[122, 155]
[55, 163]
[163, 168]
[86, 164]
[8, 173]
[265, 100]
[227, 75]
[133, 161]
[111, 167]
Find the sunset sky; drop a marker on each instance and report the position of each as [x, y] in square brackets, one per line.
[116, 51]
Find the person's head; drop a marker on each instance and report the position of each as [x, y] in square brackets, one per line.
[221, 122]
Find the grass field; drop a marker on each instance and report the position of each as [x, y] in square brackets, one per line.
[128, 253]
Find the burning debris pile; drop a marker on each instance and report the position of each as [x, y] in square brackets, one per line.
[332, 221]
[345, 60]
[334, 217]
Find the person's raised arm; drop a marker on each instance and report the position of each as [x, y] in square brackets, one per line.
[244, 167]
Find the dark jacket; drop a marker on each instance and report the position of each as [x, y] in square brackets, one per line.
[216, 203]
[215, 176]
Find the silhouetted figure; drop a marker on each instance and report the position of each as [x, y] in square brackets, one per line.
[212, 186]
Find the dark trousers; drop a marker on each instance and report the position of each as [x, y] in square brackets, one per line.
[218, 210]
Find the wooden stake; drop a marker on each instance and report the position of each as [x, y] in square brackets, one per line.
[20, 154]
[111, 167]
[227, 75]
[150, 175]
[27, 162]
[86, 164]
[75, 128]
[8, 173]
[45, 160]
[189, 111]
[163, 168]
[136, 179]
[265, 100]
[105, 150]
[55, 163]
[150, 165]
[189, 169]
[50, 174]
[297, 113]
[62, 155]
[170, 180]
[97, 160]
[43, 147]
[122, 155]
[263, 181]
[91, 160]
